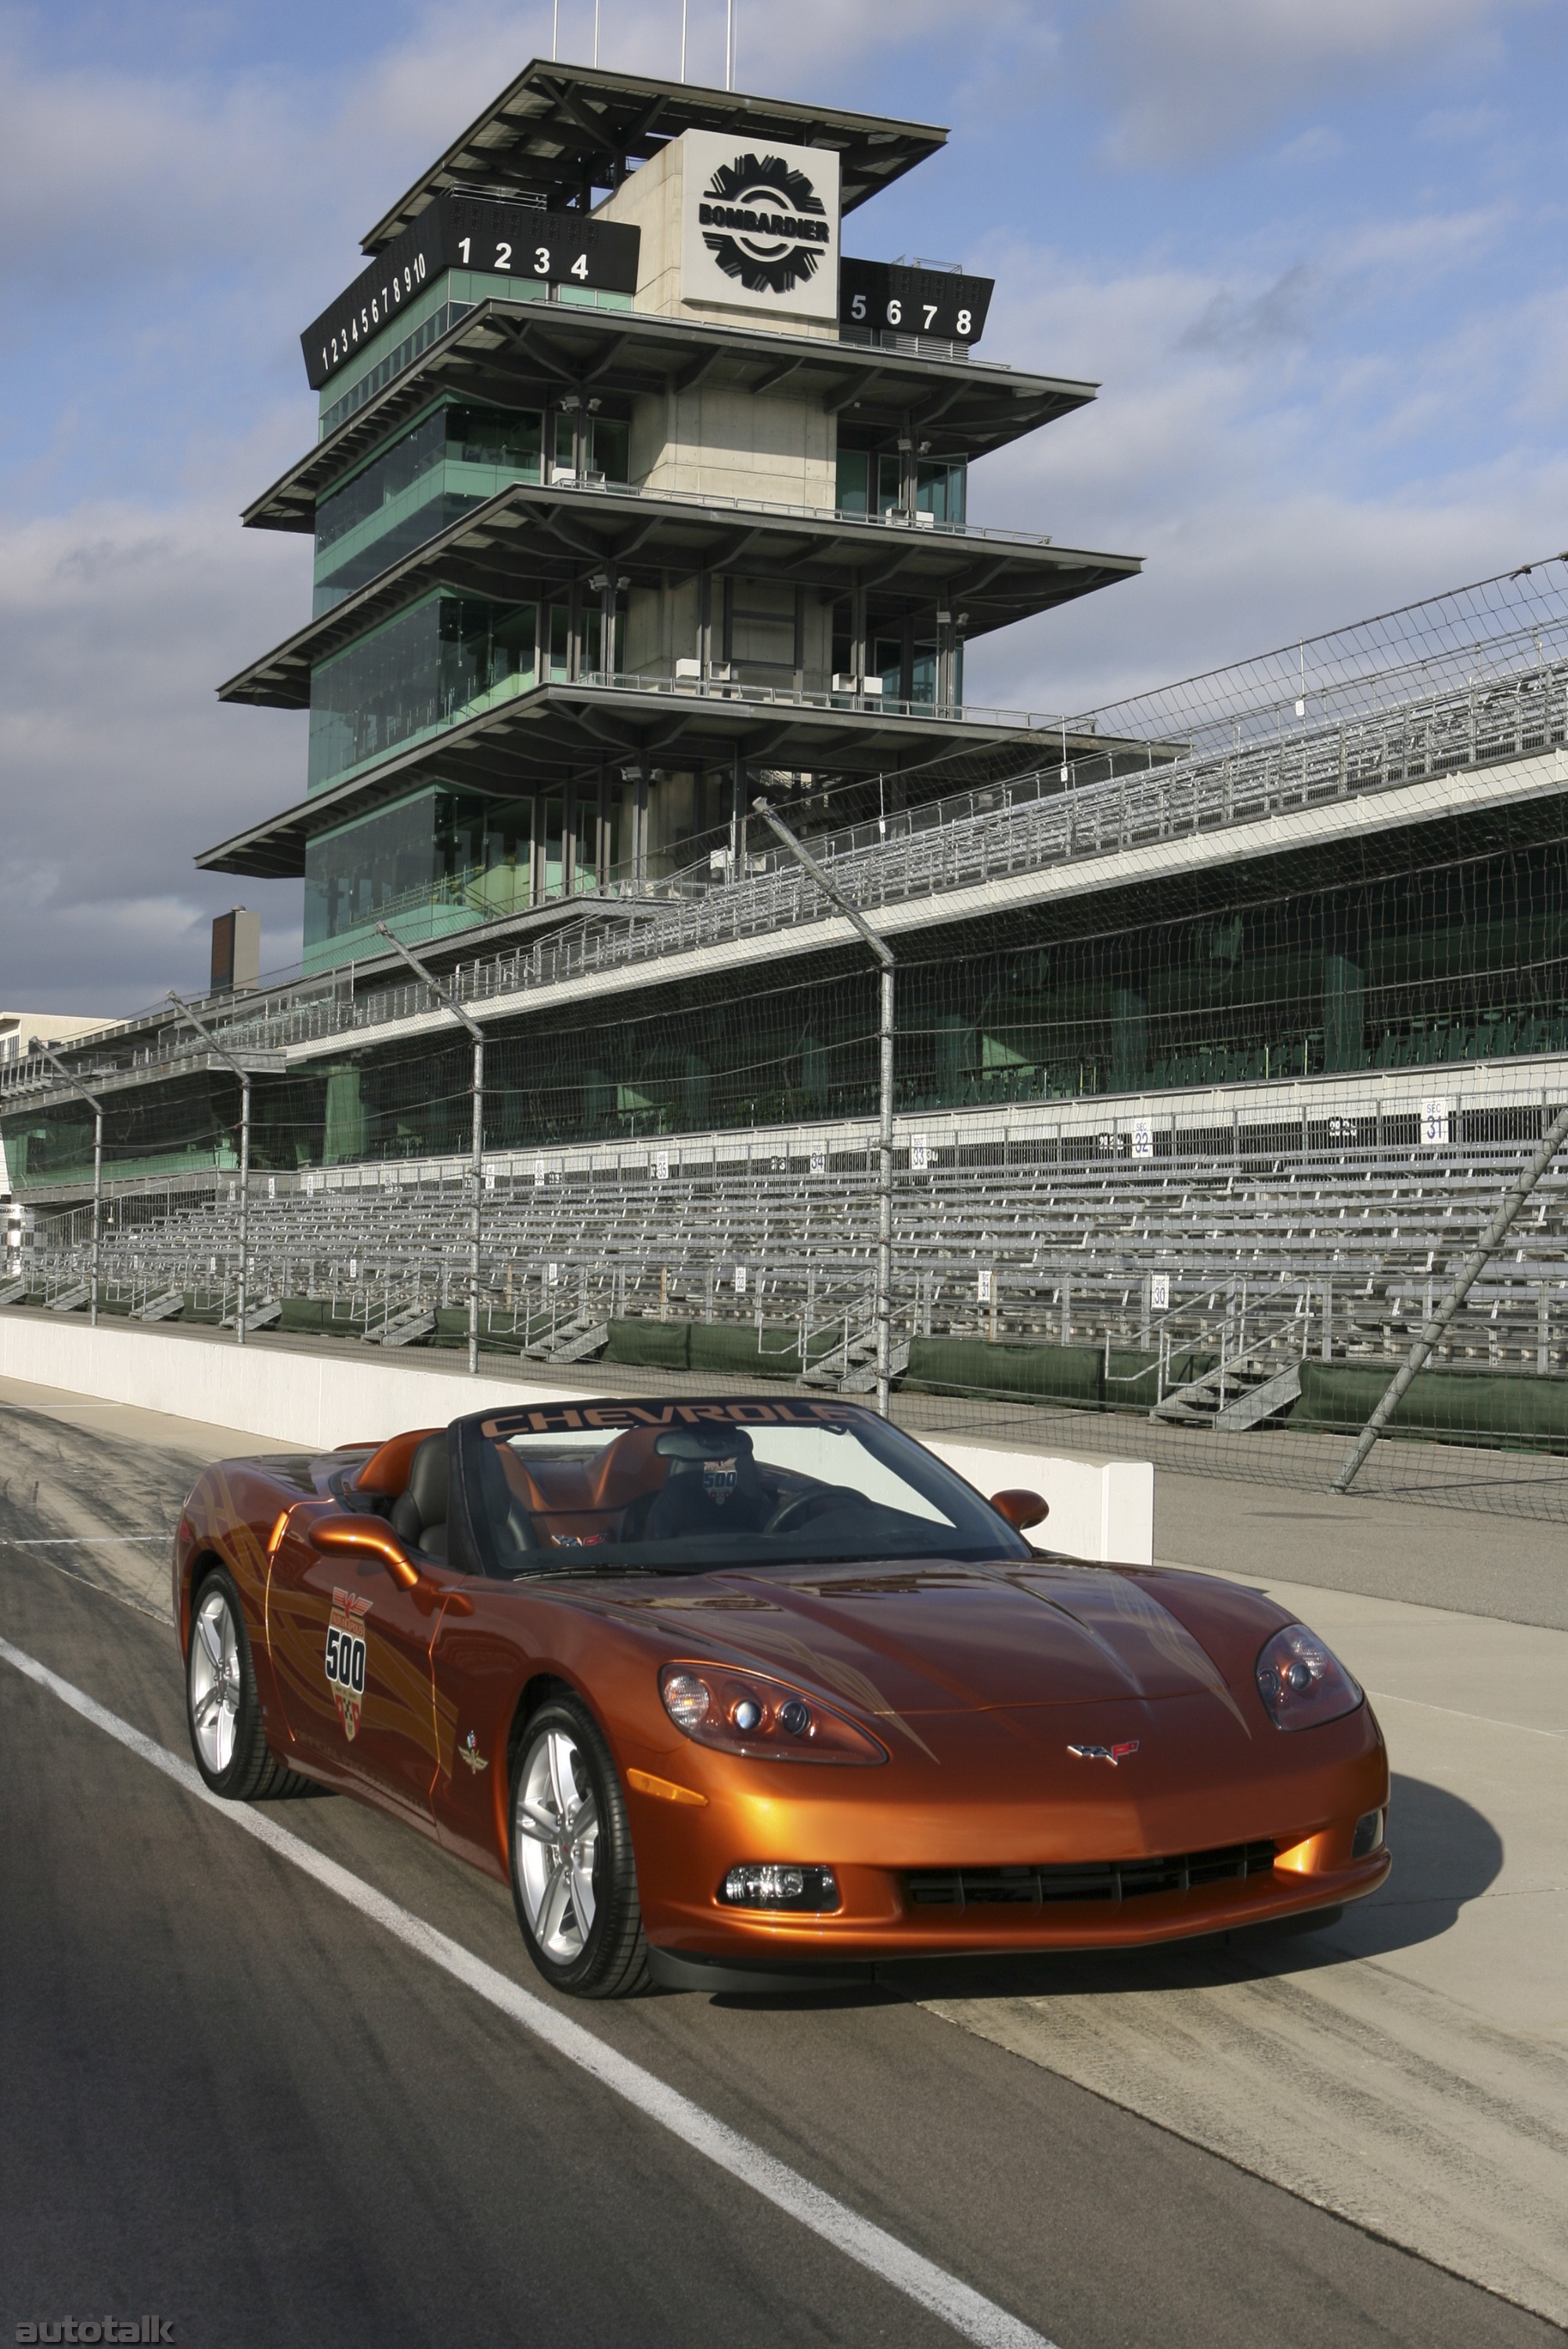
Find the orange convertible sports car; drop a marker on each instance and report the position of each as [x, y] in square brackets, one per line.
[744, 1691]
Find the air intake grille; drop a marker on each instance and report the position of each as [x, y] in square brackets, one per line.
[1105, 1879]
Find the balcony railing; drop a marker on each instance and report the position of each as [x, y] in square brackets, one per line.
[715, 502]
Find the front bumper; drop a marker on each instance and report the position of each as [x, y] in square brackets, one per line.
[878, 1920]
[949, 1859]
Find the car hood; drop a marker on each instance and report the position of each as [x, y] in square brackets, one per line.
[938, 1638]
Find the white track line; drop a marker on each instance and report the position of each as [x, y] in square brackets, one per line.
[76, 1541]
[968, 2312]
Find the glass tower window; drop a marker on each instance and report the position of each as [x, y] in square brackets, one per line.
[853, 485]
[610, 448]
[432, 864]
[942, 488]
[445, 660]
[607, 445]
[871, 483]
[395, 471]
[445, 464]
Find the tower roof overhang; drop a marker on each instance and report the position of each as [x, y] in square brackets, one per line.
[516, 354]
[560, 131]
[553, 734]
[529, 542]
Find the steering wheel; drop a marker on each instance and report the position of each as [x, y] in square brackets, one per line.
[801, 1508]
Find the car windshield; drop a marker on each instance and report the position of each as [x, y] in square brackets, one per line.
[694, 1488]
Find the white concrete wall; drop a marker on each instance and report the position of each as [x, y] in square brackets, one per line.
[1098, 1508]
[650, 199]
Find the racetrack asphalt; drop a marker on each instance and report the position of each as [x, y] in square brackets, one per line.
[231, 2097]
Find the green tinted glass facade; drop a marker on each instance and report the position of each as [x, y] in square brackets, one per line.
[874, 484]
[432, 864]
[440, 661]
[449, 461]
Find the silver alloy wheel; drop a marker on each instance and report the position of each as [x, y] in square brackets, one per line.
[557, 1830]
[214, 1676]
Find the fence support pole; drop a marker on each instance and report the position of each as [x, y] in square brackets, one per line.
[98, 1213]
[884, 954]
[1469, 1272]
[37, 1044]
[243, 1073]
[449, 1002]
[245, 1302]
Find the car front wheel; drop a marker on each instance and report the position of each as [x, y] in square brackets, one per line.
[222, 1710]
[573, 1877]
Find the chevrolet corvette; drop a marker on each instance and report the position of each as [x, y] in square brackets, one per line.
[743, 1692]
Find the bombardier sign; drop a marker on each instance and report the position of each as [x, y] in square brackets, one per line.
[760, 227]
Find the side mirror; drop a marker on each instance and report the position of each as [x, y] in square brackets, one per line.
[367, 1537]
[1019, 1507]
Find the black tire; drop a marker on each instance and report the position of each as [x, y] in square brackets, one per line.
[248, 1771]
[611, 1961]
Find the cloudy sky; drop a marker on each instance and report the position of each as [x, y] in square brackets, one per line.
[1312, 250]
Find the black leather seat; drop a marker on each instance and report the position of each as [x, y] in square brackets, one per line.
[710, 1496]
[419, 1512]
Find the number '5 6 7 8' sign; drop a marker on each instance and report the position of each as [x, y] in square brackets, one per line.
[891, 297]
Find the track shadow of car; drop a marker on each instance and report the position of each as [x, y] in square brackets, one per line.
[1446, 1853]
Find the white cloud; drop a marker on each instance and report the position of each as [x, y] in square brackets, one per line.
[119, 764]
[1189, 77]
[1269, 502]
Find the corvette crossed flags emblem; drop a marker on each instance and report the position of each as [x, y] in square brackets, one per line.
[1111, 1754]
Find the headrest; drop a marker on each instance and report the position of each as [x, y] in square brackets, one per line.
[703, 1443]
[386, 1471]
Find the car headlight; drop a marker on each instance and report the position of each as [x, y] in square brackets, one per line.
[1300, 1682]
[766, 1720]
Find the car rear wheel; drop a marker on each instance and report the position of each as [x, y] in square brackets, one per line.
[222, 1709]
[574, 1876]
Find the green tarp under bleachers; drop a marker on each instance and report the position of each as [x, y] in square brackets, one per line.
[1078, 1376]
[728, 1349]
[1455, 1406]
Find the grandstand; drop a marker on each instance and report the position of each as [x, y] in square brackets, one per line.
[1226, 1016]
[1303, 1217]
[1301, 1255]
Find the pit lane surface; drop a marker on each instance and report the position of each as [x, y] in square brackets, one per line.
[232, 2098]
